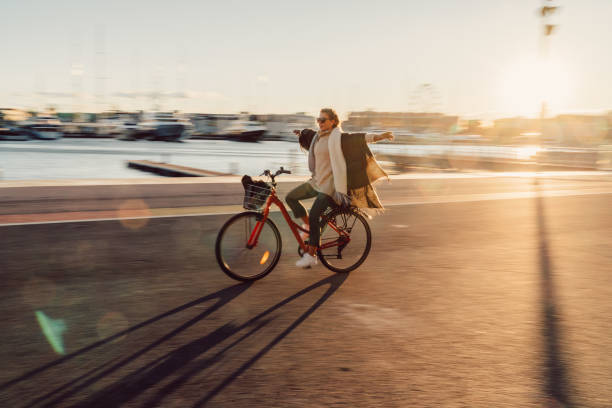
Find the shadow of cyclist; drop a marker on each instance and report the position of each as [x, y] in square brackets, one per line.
[222, 297]
[188, 355]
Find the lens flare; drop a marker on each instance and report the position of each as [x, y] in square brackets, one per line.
[527, 152]
[112, 323]
[264, 258]
[53, 329]
[134, 214]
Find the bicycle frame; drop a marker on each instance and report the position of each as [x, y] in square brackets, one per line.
[295, 228]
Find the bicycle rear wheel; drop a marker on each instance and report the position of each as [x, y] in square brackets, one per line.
[236, 259]
[345, 240]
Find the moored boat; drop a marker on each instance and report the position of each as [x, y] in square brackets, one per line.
[43, 127]
[245, 129]
[165, 126]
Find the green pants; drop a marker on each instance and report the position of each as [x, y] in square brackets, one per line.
[322, 203]
[302, 192]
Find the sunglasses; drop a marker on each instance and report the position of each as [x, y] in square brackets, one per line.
[322, 120]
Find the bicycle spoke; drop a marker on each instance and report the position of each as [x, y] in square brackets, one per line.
[345, 243]
[242, 262]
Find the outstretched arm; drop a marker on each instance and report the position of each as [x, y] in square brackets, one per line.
[377, 137]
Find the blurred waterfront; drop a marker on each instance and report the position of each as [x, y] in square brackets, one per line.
[106, 158]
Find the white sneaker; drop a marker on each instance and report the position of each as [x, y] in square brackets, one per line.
[306, 261]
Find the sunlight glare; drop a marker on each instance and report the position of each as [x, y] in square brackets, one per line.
[526, 84]
[527, 152]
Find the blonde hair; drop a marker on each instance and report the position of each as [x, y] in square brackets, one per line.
[333, 116]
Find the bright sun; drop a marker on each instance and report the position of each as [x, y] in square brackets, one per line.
[526, 84]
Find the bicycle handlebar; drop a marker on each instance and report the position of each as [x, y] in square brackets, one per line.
[278, 172]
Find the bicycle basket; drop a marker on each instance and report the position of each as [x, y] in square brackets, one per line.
[255, 196]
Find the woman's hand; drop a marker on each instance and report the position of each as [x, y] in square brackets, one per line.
[387, 136]
[383, 136]
[342, 200]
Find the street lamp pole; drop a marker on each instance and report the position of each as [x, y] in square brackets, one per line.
[546, 12]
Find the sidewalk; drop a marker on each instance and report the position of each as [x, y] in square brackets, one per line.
[75, 200]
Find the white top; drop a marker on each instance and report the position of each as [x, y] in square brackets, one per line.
[330, 165]
[323, 178]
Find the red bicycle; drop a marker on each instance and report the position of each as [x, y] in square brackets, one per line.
[249, 244]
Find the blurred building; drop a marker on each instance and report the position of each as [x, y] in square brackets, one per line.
[12, 116]
[582, 129]
[568, 130]
[516, 130]
[413, 122]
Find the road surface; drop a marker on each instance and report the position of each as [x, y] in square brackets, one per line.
[478, 292]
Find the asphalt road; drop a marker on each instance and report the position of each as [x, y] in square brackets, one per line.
[492, 293]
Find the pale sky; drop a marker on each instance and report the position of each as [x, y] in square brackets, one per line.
[263, 56]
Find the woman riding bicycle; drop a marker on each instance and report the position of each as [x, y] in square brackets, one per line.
[343, 170]
[305, 190]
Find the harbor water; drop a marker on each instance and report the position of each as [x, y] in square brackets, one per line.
[107, 158]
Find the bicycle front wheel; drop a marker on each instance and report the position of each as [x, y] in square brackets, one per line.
[234, 256]
[345, 240]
